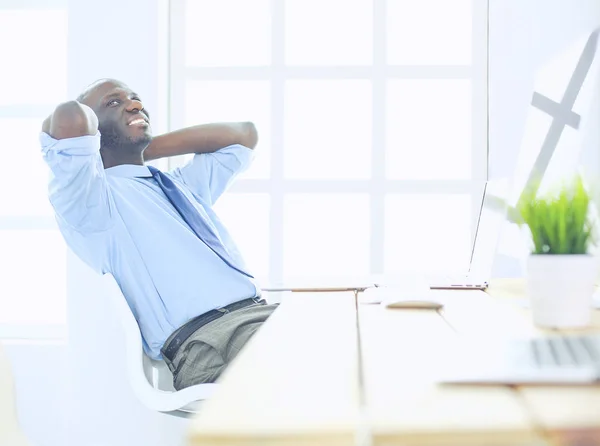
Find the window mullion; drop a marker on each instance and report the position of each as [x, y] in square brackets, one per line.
[33, 4]
[27, 222]
[378, 115]
[178, 73]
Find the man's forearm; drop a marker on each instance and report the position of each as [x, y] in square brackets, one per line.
[201, 139]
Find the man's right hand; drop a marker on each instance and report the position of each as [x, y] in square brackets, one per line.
[70, 120]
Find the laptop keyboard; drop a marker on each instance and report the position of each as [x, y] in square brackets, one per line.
[565, 351]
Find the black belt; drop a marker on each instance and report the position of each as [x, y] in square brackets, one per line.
[185, 331]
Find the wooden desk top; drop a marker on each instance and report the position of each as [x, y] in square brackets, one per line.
[295, 383]
[304, 380]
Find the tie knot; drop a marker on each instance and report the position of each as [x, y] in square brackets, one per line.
[153, 170]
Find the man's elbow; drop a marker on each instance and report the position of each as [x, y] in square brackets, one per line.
[71, 119]
[249, 135]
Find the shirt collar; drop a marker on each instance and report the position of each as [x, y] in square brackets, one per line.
[128, 171]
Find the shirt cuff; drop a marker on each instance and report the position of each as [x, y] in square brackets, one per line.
[80, 145]
[243, 155]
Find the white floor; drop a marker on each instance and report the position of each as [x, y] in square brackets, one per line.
[108, 416]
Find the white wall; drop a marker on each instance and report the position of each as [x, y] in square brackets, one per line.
[40, 384]
[524, 34]
[117, 39]
[77, 394]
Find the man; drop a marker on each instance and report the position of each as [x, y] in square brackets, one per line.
[194, 299]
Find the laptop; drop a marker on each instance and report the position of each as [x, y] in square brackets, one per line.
[565, 89]
[555, 359]
[492, 216]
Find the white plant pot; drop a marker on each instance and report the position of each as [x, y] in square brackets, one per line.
[560, 288]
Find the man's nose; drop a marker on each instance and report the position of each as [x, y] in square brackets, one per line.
[135, 106]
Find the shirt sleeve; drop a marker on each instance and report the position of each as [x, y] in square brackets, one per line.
[210, 174]
[77, 187]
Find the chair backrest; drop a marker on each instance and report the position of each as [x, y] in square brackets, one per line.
[151, 380]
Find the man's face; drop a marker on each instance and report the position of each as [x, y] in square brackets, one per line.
[123, 122]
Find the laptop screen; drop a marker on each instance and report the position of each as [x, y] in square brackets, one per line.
[491, 220]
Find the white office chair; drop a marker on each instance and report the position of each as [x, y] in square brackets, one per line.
[151, 380]
[10, 433]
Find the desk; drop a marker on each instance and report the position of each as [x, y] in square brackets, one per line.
[326, 371]
[295, 382]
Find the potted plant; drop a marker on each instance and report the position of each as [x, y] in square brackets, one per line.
[561, 271]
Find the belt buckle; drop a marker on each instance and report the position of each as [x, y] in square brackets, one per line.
[257, 299]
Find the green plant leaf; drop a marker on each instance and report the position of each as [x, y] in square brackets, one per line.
[559, 222]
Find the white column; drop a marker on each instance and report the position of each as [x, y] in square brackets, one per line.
[117, 39]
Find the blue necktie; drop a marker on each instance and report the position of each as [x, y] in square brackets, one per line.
[196, 218]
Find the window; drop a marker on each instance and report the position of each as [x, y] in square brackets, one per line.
[372, 117]
[32, 251]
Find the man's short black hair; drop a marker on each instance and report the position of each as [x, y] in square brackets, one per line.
[89, 88]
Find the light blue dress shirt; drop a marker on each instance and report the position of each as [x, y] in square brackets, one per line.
[119, 221]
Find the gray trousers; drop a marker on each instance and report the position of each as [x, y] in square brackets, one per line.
[205, 354]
